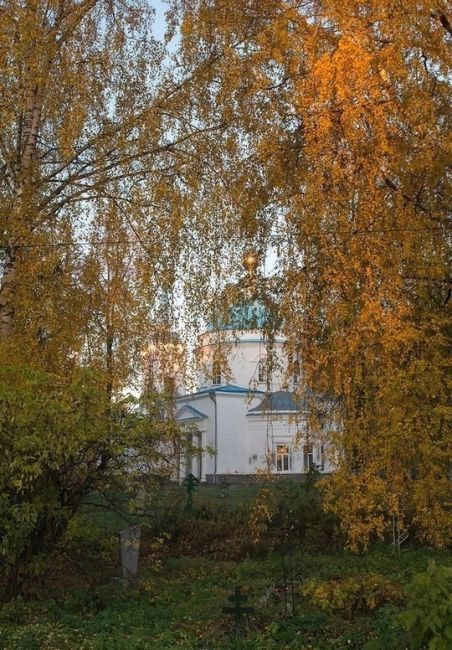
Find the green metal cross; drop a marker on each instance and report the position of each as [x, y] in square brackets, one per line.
[191, 483]
[238, 610]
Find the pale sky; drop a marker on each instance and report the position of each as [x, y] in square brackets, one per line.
[159, 25]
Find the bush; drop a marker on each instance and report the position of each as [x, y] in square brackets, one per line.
[428, 617]
[87, 542]
[57, 448]
[300, 508]
[167, 516]
[388, 632]
[38, 635]
[225, 538]
[363, 593]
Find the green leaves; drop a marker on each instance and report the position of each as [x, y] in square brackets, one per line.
[429, 612]
[61, 439]
[362, 593]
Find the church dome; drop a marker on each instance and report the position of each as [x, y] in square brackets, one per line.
[246, 315]
[248, 304]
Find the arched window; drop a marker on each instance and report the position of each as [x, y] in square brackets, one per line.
[296, 372]
[308, 456]
[262, 371]
[169, 385]
[216, 373]
[321, 458]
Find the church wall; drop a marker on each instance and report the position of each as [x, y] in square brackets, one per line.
[246, 442]
[244, 354]
[266, 433]
[233, 444]
[232, 434]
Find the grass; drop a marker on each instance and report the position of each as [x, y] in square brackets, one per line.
[178, 605]
[190, 564]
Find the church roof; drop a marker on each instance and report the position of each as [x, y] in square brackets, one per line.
[246, 315]
[223, 388]
[279, 401]
[230, 388]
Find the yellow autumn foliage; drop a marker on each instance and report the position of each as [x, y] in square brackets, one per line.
[344, 107]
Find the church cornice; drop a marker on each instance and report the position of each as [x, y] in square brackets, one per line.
[226, 389]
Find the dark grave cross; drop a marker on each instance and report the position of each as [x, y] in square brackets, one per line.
[223, 494]
[190, 482]
[223, 490]
[288, 582]
[238, 610]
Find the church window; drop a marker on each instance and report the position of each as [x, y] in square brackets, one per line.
[293, 368]
[169, 386]
[262, 371]
[282, 458]
[322, 458]
[308, 457]
[296, 372]
[216, 374]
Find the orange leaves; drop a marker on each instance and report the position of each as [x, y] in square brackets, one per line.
[343, 107]
[346, 69]
[349, 109]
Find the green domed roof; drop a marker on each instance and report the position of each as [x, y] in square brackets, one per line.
[248, 304]
[247, 316]
[250, 315]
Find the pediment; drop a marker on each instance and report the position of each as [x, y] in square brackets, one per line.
[188, 413]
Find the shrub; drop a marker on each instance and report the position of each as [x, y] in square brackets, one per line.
[57, 448]
[428, 617]
[86, 541]
[388, 632]
[299, 507]
[362, 593]
[225, 538]
[37, 636]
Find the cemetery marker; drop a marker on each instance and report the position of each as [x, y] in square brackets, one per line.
[238, 610]
[190, 482]
[130, 548]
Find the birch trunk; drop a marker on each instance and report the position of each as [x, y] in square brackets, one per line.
[7, 294]
[21, 222]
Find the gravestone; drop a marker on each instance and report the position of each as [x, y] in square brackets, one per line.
[129, 540]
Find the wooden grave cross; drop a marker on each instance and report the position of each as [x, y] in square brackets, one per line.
[238, 610]
[288, 575]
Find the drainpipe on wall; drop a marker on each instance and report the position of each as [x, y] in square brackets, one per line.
[213, 397]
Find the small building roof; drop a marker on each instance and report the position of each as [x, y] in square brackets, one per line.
[231, 388]
[281, 401]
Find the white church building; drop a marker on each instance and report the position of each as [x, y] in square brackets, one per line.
[246, 417]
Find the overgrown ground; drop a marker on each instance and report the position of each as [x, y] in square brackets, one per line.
[341, 600]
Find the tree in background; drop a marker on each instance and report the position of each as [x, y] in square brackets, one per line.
[127, 176]
[100, 161]
[338, 116]
[89, 112]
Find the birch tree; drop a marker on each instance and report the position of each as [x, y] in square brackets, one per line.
[88, 109]
[100, 161]
[341, 126]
